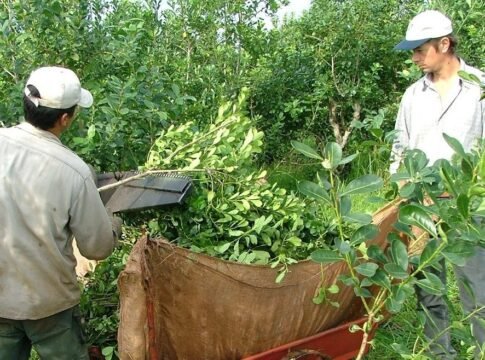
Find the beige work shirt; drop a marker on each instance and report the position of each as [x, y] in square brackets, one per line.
[47, 195]
[424, 117]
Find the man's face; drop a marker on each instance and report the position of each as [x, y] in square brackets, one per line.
[428, 57]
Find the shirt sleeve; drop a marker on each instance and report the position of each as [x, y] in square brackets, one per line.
[91, 224]
[482, 107]
[401, 141]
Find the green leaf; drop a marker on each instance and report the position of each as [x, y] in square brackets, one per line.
[381, 279]
[222, 248]
[260, 222]
[362, 292]
[400, 349]
[107, 351]
[210, 195]
[415, 215]
[446, 171]
[458, 252]
[374, 252]
[306, 150]
[396, 271]
[401, 292]
[364, 233]
[414, 161]
[364, 184]
[319, 297]
[400, 176]
[345, 205]
[367, 269]
[333, 154]
[280, 277]
[393, 306]
[467, 168]
[262, 256]
[348, 280]
[314, 191]
[465, 75]
[246, 257]
[407, 190]
[455, 145]
[481, 167]
[431, 284]
[91, 131]
[253, 239]
[294, 240]
[428, 252]
[347, 159]
[344, 247]
[399, 254]
[463, 203]
[325, 256]
[477, 190]
[363, 219]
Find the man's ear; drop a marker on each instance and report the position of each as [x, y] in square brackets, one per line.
[64, 121]
[444, 45]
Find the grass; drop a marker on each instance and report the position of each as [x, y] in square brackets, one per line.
[404, 328]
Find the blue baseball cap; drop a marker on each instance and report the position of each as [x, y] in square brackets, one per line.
[429, 24]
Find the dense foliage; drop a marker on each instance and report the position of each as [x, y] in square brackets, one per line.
[159, 72]
[151, 64]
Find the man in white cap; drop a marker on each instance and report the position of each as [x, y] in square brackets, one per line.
[442, 102]
[47, 196]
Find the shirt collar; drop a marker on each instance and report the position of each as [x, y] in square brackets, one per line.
[28, 127]
[427, 83]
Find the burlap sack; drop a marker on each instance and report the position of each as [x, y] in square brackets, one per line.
[193, 306]
[132, 341]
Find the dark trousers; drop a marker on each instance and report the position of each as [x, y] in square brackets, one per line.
[57, 337]
[471, 282]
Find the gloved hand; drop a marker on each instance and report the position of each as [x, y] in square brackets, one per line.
[116, 223]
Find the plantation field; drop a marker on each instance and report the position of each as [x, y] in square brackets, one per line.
[285, 134]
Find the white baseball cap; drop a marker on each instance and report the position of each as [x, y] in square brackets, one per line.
[430, 24]
[59, 88]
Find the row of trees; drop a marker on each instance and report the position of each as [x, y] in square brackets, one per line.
[316, 79]
[153, 63]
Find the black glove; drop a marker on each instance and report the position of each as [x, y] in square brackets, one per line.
[116, 223]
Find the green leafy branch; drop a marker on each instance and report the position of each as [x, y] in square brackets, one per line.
[448, 222]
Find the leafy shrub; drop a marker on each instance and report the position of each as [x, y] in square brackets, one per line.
[233, 213]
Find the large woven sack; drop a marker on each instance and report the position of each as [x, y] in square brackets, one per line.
[200, 307]
[132, 341]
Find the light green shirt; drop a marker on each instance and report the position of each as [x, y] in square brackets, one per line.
[424, 117]
[47, 195]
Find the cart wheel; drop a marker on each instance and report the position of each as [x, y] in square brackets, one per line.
[95, 353]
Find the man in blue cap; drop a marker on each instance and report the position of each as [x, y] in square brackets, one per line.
[442, 103]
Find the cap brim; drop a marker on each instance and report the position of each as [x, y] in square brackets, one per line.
[86, 99]
[410, 45]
